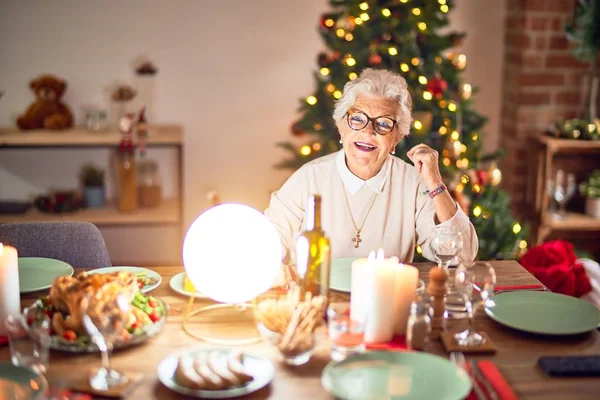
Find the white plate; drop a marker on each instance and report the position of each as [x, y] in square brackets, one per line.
[261, 369]
[135, 270]
[177, 284]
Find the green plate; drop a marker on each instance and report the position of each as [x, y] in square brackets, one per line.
[543, 312]
[36, 273]
[340, 276]
[395, 375]
[21, 383]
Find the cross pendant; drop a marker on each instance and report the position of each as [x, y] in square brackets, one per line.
[357, 240]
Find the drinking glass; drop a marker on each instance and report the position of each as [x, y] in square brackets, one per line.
[346, 335]
[418, 327]
[476, 282]
[29, 339]
[446, 243]
[105, 320]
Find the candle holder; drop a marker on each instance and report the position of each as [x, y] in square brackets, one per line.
[232, 254]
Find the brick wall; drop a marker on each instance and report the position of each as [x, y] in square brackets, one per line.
[542, 81]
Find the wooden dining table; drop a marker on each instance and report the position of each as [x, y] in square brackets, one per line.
[516, 358]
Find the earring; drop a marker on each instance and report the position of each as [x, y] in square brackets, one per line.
[341, 141]
[393, 151]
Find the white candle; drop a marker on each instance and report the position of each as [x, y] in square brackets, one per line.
[10, 300]
[407, 278]
[381, 285]
[359, 294]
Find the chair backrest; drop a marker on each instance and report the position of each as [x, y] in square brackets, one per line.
[79, 244]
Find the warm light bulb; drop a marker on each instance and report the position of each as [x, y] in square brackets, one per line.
[358, 21]
[386, 12]
[475, 136]
[329, 22]
[467, 91]
[337, 94]
[393, 51]
[463, 148]
[404, 1]
[305, 150]
[427, 95]
[419, 250]
[364, 6]
[517, 228]
[364, 17]
[330, 88]
[318, 127]
[460, 188]
[416, 11]
[447, 161]
[455, 135]
[476, 188]
[325, 71]
[464, 179]
[352, 76]
[456, 146]
[496, 177]
[452, 106]
[422, 80]
[461, 61]
[442, 2]
[477, 211]
[350, 61]
[443, 103]
[465, 163]
[316, 146]
[523, 244]
[340, 32]
[438, 60]
[444, 8]
[443, 130]
[404, 67]
[232, 277]
[415, 61]
[418, 125]
[349, 37]
[312, 100]
[422, 26]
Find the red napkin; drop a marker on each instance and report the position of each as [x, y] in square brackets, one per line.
[3, 340]
[518, 287]
[554, 264]
[497, 380]
[398, 343]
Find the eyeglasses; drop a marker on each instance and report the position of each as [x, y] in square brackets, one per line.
[358, 120]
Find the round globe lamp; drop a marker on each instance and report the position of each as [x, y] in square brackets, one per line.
[231, 254]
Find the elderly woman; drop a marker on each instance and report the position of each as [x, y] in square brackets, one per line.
[371, 199]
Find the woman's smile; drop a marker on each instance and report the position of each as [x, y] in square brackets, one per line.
[364, 146]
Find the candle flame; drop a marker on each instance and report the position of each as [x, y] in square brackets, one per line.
[371, 259]
[380, 256]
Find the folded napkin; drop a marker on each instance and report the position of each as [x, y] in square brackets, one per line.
[3, 340]
[501, 288]
[497, 380]
[592, 269]
[398, 343]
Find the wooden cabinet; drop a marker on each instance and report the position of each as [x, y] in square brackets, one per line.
[546, 157]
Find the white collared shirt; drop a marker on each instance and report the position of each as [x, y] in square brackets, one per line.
[353, 183]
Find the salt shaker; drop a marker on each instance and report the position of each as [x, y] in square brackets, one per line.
[418, 328]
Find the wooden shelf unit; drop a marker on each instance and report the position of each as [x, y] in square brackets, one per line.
[543, 161]
[168, 212]
[159, 135]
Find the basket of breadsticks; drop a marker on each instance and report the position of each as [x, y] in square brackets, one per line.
[294, 324]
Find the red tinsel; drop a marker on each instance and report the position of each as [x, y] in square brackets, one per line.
[554, 264]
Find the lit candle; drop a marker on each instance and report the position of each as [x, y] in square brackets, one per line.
[407, 278]
[359, 293]
[381, 286]
[10, 300]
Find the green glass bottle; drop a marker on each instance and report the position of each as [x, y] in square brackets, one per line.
[313, 253]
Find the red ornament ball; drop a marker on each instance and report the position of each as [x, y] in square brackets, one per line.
[437, 86]
[296, 130]
[374, 59]
[482, 177]
[323, 59]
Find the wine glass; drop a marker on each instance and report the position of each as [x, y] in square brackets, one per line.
[563, 191]
[475, 281]
[446, 243]
[105, 320]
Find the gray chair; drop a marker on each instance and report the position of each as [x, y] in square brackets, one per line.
[79, 244]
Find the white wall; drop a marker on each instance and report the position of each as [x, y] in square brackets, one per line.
[230, 72]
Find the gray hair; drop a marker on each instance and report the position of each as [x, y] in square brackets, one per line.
[381, 83]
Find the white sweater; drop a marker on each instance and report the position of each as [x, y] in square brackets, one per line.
[401, 218]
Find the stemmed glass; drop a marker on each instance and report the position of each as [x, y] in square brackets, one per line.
[446, 243]
[476, 282]
[105, 321]
[562, 191]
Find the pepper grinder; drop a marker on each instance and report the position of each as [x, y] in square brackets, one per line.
[437, 290]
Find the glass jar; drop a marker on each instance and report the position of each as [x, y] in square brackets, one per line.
[96, 120]
[419, 324]
[149, 184]
[128, 199]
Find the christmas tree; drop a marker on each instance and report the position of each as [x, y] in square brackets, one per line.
[403, 36]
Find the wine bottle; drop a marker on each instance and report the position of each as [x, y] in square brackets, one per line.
[313, 254]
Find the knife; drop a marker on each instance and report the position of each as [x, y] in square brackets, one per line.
[481, 378]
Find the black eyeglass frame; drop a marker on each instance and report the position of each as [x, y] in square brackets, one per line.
[372, 121]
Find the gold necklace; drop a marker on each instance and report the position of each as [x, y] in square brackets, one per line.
[357, 238]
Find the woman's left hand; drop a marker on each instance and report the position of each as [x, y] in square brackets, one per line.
[426, 160]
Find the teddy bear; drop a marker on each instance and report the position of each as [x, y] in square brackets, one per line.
[48, 111]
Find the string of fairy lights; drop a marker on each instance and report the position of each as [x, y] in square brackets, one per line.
[456, 151]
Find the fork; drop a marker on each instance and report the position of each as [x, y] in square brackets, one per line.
[458, 359]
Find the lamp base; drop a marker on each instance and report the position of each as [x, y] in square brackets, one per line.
[223, 324]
